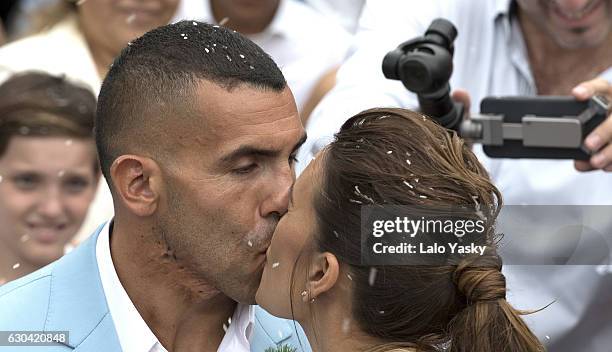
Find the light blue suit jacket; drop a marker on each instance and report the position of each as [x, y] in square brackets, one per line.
[67, 295]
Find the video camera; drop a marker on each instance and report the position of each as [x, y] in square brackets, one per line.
[545, 127]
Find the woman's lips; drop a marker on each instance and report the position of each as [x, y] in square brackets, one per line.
[45, 234]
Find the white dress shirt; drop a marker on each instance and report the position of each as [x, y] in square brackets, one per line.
[62, 50]
[302, 42]
[133, 333]
[490, 59]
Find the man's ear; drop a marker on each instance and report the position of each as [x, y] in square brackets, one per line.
[323, 275]
[137, 182]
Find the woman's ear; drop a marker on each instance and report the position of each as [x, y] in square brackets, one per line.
[323, 275]
[136, 181]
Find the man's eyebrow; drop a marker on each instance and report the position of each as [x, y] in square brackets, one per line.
[248, 150]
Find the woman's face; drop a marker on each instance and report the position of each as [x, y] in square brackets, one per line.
[114, 23]
[290, 251]
[46, 186]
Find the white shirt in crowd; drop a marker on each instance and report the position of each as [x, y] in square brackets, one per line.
[62, 50]
[490, 59]
[133, 333]
[344, 12]
[303, 43]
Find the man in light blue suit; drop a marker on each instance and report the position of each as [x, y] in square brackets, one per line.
[196, 132]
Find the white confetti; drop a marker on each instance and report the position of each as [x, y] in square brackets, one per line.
[349, 277]
[408, 184]
[372, 277]
[251, 67]
[408, 161]
[390, 152]
[80, 2]
[250, 243]
[194, 23]
[223, 21]
[275, 265]
[207, 51]
[241, 56]
[346, 325]
[130, 18]
[358, 193]
[422, 196]
[16, 265]
[355, 201]
[68, 142]
[382, 312]
[336, 233]
[224, 327]
[24, 238]
[547, 337]
[475, 199]
[61, 173]
[228, 57]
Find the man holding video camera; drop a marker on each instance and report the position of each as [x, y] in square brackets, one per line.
[508, 48]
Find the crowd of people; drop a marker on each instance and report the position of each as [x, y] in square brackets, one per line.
[192, 175]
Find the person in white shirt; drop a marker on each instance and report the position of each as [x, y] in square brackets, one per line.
[307, 46]
[82, 45]
[506, 47]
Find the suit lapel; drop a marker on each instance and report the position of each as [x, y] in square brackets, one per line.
[77, 303]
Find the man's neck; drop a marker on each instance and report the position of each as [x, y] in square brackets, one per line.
[556, 70]
[181, 317]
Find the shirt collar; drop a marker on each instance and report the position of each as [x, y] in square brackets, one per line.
[133, 333]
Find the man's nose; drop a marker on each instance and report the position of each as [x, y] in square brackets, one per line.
[277, 201]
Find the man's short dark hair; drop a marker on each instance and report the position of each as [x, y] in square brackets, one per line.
[151, 83]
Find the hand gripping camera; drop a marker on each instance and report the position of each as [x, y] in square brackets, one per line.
[545, 127]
